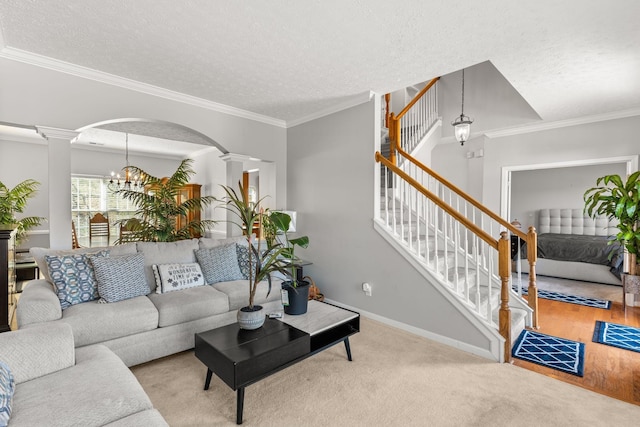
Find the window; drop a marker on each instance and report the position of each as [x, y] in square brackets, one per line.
[90, 195]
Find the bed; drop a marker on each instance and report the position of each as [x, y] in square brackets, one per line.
[572, 245]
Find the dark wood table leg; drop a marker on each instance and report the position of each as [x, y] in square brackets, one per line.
[346, 345]
[240, 405]
[207, 382]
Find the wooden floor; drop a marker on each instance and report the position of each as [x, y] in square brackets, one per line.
[607, 370]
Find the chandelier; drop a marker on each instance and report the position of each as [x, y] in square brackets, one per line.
[128, 180]
[462, 124]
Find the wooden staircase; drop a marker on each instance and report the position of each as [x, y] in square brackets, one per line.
[458, 245]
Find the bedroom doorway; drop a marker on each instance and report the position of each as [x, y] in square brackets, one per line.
[526, 189]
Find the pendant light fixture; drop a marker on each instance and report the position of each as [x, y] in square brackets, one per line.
[462, 124]
[129, 180]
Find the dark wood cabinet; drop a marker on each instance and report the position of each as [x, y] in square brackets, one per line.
[7, 278]
[189, 191]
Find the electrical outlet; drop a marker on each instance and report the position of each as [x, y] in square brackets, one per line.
[366, 288]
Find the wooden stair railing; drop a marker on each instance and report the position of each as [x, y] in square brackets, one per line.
[423, 117]
[502, 245]
[531, 237]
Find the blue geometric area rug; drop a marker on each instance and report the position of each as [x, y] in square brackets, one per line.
[553, 352]
[622, 336]
[571, 299]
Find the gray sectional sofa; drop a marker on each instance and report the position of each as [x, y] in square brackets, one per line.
[59, 385]
[150, 326]
[70, 354]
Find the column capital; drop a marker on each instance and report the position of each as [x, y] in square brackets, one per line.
[232, 157]
[56, 133]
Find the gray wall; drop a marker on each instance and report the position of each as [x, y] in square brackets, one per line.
[532, 190]
[331, 186]
[597, 140]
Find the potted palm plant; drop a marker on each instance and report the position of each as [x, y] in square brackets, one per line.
[619, 199]
[159, 207]
[297, 288]
[264, 255]
[14, 200]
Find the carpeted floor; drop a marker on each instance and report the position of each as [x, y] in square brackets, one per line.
[396, 379]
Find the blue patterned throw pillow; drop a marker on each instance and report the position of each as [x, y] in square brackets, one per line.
[7, 388]
[120, 277]
[73, 277]
[242, 252]
[219, 264]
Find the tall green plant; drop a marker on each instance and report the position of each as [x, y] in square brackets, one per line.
[265, 256]
[281, 222]
[618, 199]
[13, 201]
[158, 208]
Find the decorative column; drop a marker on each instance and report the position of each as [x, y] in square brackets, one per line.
[235, 167]
[59, 146]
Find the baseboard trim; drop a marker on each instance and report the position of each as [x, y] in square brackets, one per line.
[484, 353]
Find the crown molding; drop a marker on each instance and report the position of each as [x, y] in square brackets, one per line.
[57, 133]
[356, 100]
[94, 149]
[102, 77]
[538, 127]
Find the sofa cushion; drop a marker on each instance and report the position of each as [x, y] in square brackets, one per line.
[219, 264]
[238, 292]
[39, 254]
[208, 242]
[150, 417]
[38, 350]
[93, 322]
[121, 277]
[73, 277]
[97, 390]
[175, 277]
[189, 304]
[7, 388]
[178, 252]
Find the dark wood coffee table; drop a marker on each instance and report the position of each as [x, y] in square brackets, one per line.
[241, 358]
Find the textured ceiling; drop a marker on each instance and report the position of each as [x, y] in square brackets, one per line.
[289, 59]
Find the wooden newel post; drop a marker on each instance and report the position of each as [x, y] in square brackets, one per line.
[532, 257]
[394, 129]
[504, 269]
[387, 99]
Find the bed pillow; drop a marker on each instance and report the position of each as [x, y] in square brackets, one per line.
[175, 277]
[120, 278]
[73, 277]
[7, 388]
[219, 264]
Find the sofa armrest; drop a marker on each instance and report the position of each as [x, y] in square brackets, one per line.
[38, 303]
[38, 350]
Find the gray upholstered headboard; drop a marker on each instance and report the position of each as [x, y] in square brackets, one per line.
[574, 221]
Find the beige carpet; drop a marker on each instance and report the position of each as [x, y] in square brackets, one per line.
[396, 379]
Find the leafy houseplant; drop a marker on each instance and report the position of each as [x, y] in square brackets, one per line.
[262, 261]
[298, 290]
[620, 200]
[158, 209]
[14, 200]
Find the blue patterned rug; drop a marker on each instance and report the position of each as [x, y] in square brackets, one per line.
[622, 336]
[553, 352]
[571, 299]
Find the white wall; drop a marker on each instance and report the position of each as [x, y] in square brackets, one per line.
[532, 190]
[604, 139]
[37, 96]
[20, 161]
[331, 186]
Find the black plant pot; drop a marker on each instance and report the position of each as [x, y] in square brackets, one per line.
[298, 297]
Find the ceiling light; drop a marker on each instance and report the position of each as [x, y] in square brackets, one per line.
[129, 180]
[462, 124]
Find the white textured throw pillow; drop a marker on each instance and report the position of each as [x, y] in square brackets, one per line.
[175, 277]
